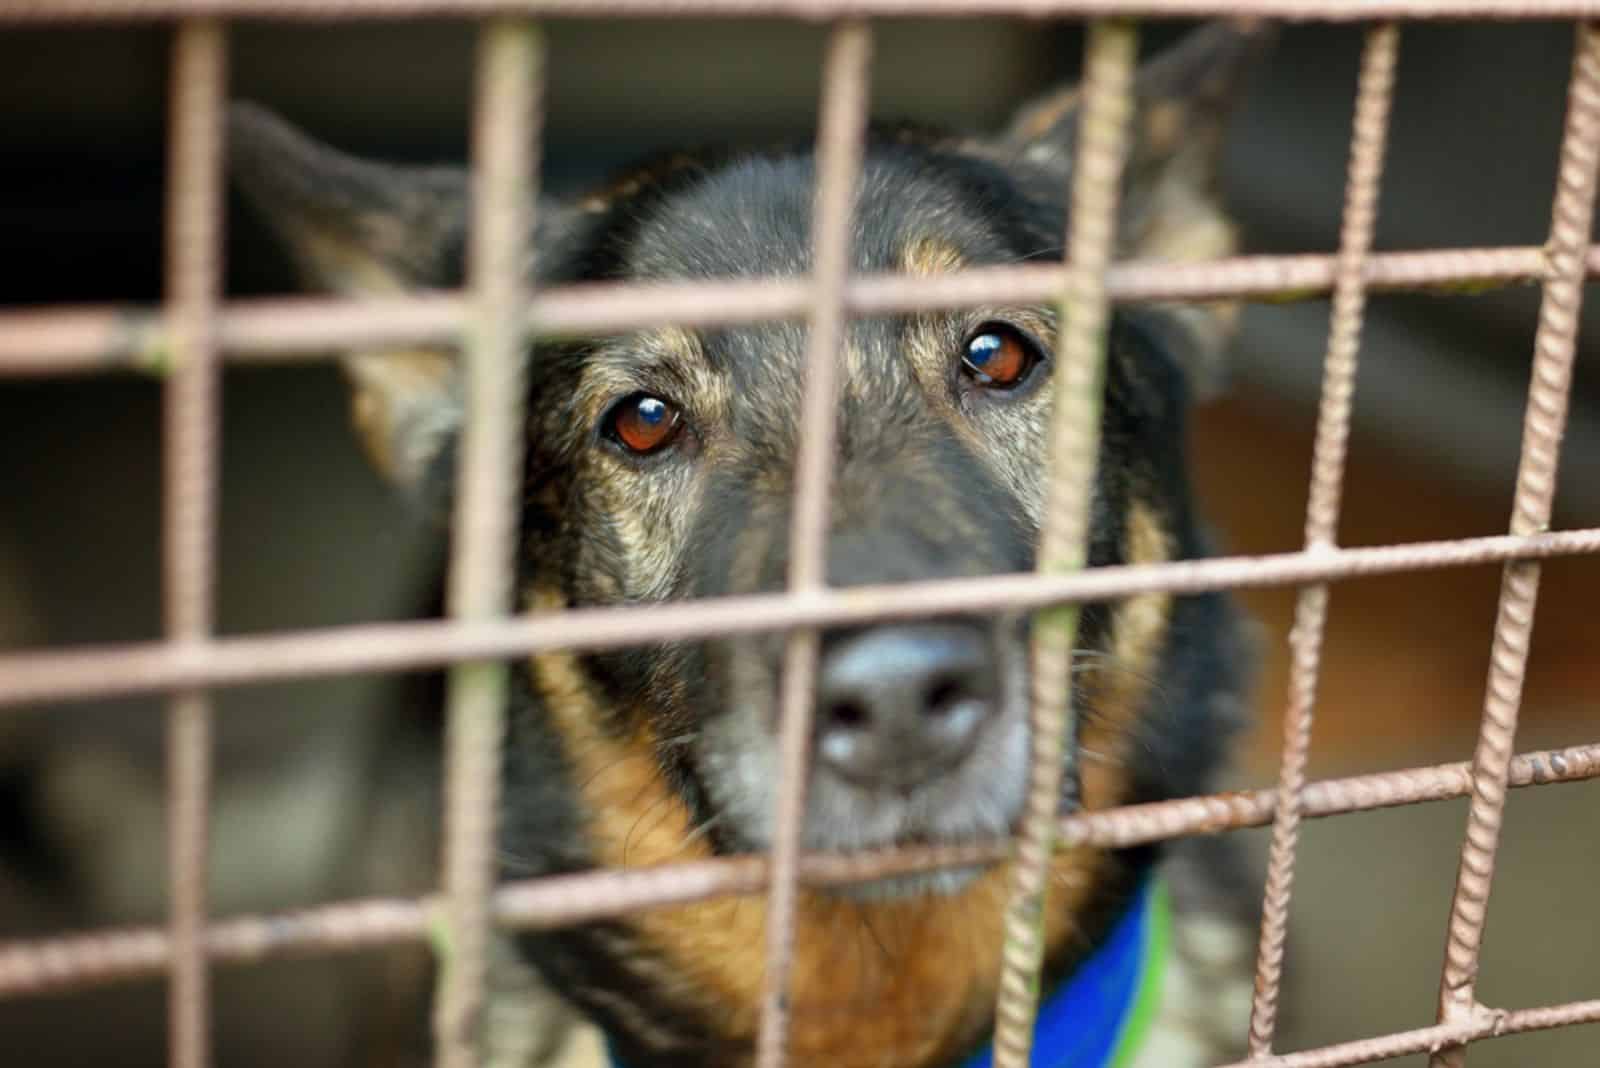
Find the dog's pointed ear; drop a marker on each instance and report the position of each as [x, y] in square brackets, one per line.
[1171, 204]
[352, 225]
[361, 228]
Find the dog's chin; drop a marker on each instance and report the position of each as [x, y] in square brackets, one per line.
[843, 818]
[946, 882]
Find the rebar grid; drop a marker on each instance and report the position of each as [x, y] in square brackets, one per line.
[840, 135]
[75, 961]
[1555, 346]
[62, 341]
[509, 78]
[190, 435]
[1107, 93]
[319, 10]
[1487, 1023]
[193, 330]
[1369, 134]
[155, 667]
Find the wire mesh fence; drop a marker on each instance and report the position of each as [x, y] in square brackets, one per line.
[189, 338]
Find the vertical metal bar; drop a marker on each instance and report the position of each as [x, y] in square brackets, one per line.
[840, 142]
[505, 146]
[1554, 346]
[1075, 437]
[1369, 135]
[190, 439]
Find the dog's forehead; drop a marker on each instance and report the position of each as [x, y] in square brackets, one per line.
[751, 217]
[916, 211]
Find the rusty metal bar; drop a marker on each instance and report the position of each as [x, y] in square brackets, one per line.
[191, 448]
[1555, 346]
[154, 667]
[75, 961]
[1293, 10]
[1486, 1023]
[78, 340]
[1110, 54]
[509, 76]
[186, 337]
[1374, 91]
[840, 143]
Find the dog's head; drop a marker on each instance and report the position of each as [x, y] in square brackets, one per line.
[661, 468]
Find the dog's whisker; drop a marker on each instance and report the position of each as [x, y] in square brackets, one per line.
[627, 841]
[1098, 757]
[699, 832]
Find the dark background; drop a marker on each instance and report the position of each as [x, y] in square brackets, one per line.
[324, 788]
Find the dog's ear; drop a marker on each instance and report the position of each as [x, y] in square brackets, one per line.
[1171, 204]
[361, 228]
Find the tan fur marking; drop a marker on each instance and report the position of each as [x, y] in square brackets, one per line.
[927, 256]
[611, 374]
[895, 982]
[1164, 126]
[1004, 438]
[346, 263]
[651, 514]
[928, 343]
[1118, 691]
[1045, 115]
[394, 392]
[682, 348]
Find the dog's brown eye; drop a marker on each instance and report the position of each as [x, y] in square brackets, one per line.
[998, 357]
[643, 424]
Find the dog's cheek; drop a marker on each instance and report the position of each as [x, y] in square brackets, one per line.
[734, 752]
[1014, 441]
[640, 516]
[1117, 691]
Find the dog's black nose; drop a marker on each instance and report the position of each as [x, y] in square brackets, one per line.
[897, 706]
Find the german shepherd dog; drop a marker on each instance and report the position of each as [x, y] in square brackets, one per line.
[659, 468]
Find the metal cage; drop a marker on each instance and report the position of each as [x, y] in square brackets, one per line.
[187, 339]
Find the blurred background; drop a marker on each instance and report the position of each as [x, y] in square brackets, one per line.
[327, 789]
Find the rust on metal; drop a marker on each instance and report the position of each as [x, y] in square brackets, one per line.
[323, 10]
[186, 338]
[1485, 1023]
[1369, 134]
[841, 134]
[119, 955]
[1554, 348]
[102, 671]
[86, 340]
[1110, 54]
[505, 122]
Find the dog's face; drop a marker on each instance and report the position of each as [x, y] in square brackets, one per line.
[661, 468]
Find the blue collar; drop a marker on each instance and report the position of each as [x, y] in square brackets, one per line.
[1099, 1017]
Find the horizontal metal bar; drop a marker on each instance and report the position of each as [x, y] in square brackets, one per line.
[38, 341]
[153, 667]
[1485, 1023]
[325, 10]
[76, 961]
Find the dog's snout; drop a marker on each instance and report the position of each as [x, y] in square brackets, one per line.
[897, 706]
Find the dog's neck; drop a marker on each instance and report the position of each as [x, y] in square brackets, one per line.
[1100, 1015]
